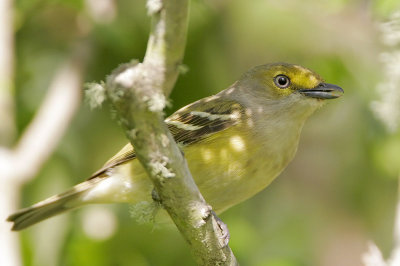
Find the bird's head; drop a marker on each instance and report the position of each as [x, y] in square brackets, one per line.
[284, 87]
[281, 80]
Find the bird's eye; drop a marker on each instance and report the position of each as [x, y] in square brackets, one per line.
[282, 81]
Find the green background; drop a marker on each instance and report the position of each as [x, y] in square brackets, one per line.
[337, 194]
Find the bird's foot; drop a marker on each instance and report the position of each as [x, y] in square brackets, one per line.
[225, 236]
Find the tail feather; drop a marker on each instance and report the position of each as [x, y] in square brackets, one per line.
[50, 207]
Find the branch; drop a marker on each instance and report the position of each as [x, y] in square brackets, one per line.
[38, 141]
[9, 246]
[41, 136]
[7, 125]
[387, 110]
[138, 92]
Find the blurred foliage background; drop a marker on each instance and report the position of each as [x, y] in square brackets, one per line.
[338, 193]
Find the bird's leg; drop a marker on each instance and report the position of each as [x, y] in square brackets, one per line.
[225, 236]
[155, 196]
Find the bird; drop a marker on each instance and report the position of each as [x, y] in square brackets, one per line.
[236, 143]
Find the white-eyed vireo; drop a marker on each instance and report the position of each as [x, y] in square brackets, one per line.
[235, 142]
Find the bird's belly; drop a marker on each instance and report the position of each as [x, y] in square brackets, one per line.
[227, 171]
[228, 185]
[229, 174]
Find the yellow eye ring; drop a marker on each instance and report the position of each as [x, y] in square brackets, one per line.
[282, 81]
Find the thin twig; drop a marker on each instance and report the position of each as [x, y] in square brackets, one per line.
[386, 109]
[50, 123]
[7, 127]
[38, 141]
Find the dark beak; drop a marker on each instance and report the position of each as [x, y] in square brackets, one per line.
[323, 91]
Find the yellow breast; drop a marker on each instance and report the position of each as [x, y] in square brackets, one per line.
[231, 166]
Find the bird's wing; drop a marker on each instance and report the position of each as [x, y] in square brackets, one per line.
[203, 118]
[188, 125]
[126, 154]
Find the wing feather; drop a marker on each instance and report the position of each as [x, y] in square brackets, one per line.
[188, 125]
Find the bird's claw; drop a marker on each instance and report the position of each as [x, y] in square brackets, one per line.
[225, 236]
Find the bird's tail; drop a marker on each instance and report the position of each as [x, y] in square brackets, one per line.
[50, 207]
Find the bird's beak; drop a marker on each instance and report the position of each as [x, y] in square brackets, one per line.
[323, 91]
